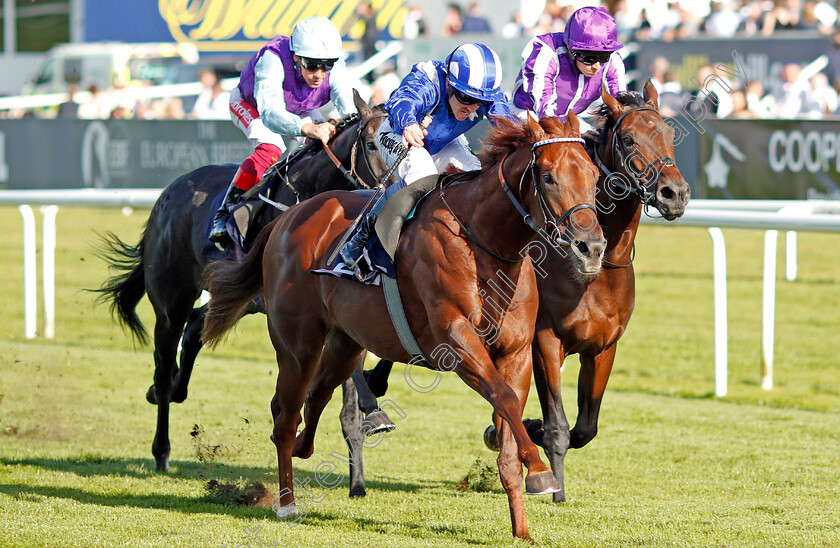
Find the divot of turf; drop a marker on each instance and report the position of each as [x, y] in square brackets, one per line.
[255, 493]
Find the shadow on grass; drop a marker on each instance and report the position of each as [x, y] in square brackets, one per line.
[187, 504]
[312, 517]
[99, 466]
[184, 504]
[91, 465]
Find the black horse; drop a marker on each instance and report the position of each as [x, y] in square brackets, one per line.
[168, 261]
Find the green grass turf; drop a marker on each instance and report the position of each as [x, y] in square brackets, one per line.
[672, 465]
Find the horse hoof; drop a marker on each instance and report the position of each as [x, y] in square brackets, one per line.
[151, 395]
[357, 492]
[302, 449]
[162, 465]
[541, 483]
[285, 512]
[376, 422]
[491, 440]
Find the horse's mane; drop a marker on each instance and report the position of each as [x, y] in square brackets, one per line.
[509, 134]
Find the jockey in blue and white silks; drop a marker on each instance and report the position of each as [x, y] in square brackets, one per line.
[279, 93]
[457, 94]
[564, 70]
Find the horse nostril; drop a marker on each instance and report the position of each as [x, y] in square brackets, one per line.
[582, 247]
[666, 193]
[598, 249]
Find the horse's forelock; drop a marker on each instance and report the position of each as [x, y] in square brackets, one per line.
[555, 128]
[604, 117]
[505, 136]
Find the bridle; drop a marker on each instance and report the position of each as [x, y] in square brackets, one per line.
[552, 224]
[641, 189]
[638, 187]
[281, 167]
[351, 174]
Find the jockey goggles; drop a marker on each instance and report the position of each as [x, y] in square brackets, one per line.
[465, 99]
[314, 64]
[591, 57]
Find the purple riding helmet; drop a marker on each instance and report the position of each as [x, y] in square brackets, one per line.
[591, 30]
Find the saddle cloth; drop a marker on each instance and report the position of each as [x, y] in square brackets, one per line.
[378, 253]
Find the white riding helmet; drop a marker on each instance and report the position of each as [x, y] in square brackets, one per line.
[316, 38]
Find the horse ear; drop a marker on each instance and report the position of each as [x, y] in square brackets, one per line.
[573, 121]
[361, 106]
[535, 127]
[612, 103]
[651, 95]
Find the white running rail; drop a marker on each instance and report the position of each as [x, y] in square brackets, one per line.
[770, 215]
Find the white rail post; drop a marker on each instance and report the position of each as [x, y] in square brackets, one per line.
[30, 275]
[791, 269]
[49, 270]
[721, 327]
[768, 309]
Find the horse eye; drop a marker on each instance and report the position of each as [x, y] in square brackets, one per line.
[371, 146]
[627, 140]
[547, 178]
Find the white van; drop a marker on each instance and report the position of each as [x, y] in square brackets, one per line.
[107, 65]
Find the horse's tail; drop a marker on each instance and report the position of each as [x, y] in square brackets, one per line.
[125, 289]
[232, 286]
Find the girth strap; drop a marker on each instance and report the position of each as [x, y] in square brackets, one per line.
[397, 313]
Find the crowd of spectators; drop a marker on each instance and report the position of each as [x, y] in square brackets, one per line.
[210, 104]
[796, 94]
[675, 20]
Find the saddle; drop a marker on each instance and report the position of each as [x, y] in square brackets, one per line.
[379, 251]
[250, 216]
[398, 209]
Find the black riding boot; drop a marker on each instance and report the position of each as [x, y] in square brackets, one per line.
[219, 232]
[352, 250]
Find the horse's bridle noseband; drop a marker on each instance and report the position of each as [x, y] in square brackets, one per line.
[551, 224]
[637, 186]
[550, 220]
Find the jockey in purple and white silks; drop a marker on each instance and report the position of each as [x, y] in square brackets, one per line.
[457, 94]
[279, 93]
[564, 70]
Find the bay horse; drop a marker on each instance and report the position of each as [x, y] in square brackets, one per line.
[465, 238]
[634, 150]
[167, 262]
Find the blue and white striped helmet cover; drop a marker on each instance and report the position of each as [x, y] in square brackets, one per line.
[475, 69]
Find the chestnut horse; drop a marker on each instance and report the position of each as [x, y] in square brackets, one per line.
[464, 239]
[635, 151]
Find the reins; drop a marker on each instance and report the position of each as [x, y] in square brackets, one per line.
[281, 167]
[350, 174]
[550, 221]
[467, 230]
